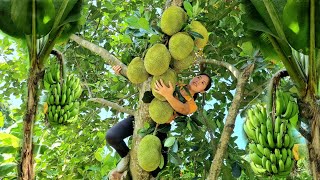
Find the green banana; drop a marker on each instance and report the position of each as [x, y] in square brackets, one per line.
[268, 166]
[288, 164]
[63, 99]
[55, 117]
[256, 159]
[258, 114]
[288, 112]
[50, 79]
[269, 125]
[58, 89]
[270, 140]
[262, 140]
[257, 170]
[46, 85]
[254, 149]
[267, 152]
[264, 161]
[286, 140]
[78, 92]
[57, 99]
[51, 99]
[279, 141]
[281, 165]
[284, 154]
[273, 158]
[277, 124]
[279, 105]
[274, 168]
[257, 132]
[254, 121]
[282, 128]
[53, 109]
[263, 129]
[260, 148]
[278, 154]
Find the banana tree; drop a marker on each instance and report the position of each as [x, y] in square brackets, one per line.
[288, 30]
[40, 24]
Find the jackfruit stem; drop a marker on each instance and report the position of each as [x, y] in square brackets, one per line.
[155, 129]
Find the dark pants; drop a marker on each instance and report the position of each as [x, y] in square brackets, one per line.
[124, 129]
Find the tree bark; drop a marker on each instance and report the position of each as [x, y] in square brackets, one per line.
[141, 116]
[111, 60]
[26, 165]
[311, 111]
[112, 105]
[229, 125]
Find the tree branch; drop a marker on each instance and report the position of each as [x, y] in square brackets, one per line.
[112, 105]
[111, 60]
[305, 134]
[230, 123]
[230, 67]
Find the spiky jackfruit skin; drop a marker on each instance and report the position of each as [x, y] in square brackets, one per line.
[149, 153]
[169, 75]
[136, 71]
[180, 45]
[160, 111]
[157, 59]
[172, 20]
[185, 63]
[196, 26]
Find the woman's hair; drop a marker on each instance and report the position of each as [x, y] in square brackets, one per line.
[206, 88]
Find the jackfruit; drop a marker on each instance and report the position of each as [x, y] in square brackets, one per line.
[196, 26]
[180, 45]
[185, 63]
[149, 153]
[173, 19]
[169, 75]
[136, 71]
[160, 111]
[157, 59]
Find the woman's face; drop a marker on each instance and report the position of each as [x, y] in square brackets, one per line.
[199, 83]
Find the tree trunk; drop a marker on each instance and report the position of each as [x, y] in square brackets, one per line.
[26, 166]
[141, 116]
[229, 126]
[311, 110]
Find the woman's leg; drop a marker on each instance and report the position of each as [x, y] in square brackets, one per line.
[117, 133]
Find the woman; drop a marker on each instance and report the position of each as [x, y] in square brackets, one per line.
[181, 106]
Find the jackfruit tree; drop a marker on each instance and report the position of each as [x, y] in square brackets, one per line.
[122, 33]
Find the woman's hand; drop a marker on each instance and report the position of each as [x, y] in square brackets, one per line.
[117, 69]
[162, 89]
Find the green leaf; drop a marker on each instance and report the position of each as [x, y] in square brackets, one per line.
[21, 11]
[188, 7]
[169, 141]
[1, 119]
[7, 149]
[7, 168]
[161, 162]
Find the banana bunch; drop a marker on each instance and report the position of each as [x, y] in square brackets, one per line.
[286, 107]
[62, 96]
[270, 143]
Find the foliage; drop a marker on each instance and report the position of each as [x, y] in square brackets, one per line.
[126, 29]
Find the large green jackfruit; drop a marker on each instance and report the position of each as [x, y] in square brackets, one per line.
[157, 59]
[136, 71]
[172, 20]
[160, 111]
[196, 26]
[149, 153]
[180, 46]
[169, 75]
[185, 63]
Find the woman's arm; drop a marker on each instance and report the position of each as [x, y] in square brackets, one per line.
[167, 92]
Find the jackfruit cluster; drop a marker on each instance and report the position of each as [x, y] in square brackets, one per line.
[149, 153]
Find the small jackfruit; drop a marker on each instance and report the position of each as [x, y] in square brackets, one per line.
[185, 63]
[160, 111]
[180, 45]
[136, 71]
[149, 153]
[196, 26]
[169, 75]
[157, 59]
[172, 20]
